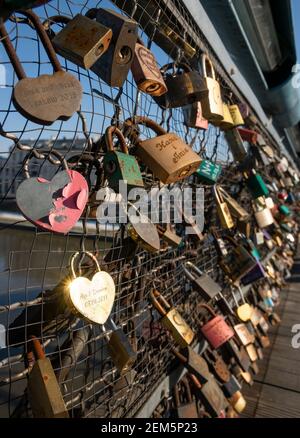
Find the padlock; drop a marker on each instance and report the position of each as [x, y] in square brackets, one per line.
[93, 299]
[146, 72]
[167, 156]
[193, 362]
[203, 283]
[262, 214]
[284, 210]
[252, 352]
[257, 273]
[256, 185]
[169, 236]
[243, 334]
[143, 231]
[193, 117]
[212, 106]
[120, 166]
[238, 402]
[188, 407]
[244, 227]
[216, 331]
[222, 209]
[82, 41]
[115, 63]
[236, 145]
[210, 395]
[227, 122]
[44, 392]
[248, 135]
[236, 115]
[120, 349]
[264, 341]
[208, 172]
[239, 354]
[231, 387]
[234, 207]
[52, 205]
[240, 374]
[172, 320]
[243, 311]
[258, 237]
[185, 86]
[47, 98]
[217, 365]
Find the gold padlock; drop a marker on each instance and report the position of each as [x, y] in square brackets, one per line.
[167, 156]
[212, 105]
[234, 207]
[236, 115]
[172, 320]
[227, 122]
[222, 209]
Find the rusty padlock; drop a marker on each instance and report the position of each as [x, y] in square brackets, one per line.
[185, 405]
[172, 320]
[146, 72]
[167, 156]
[216, 331]
[82, 41]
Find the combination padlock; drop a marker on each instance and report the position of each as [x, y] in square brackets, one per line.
[216, 331]
[167, 156]
[203, 283]
[120, 166]
[172, 320]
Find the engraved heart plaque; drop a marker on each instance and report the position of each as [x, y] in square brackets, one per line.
[93, 299]
[48, 98]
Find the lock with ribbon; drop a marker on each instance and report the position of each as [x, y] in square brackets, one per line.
[172, 320]
[167, 156]
[47, 98]
[216, 331]
[54, 205]
[120, 166]
[93, 299]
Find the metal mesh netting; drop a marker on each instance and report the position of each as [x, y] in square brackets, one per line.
[35, 264]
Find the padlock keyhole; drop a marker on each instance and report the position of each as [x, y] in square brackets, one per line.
[111, 167]
[99, 50]
[125, 55]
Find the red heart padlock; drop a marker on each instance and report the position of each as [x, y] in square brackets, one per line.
[54, 205]
[216, 331]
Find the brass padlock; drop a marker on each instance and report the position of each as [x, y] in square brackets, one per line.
[167, 156]
[236, 115]
[184, 86]
[227, 122]
[193, 117]
[114, 65]
[172, 320]
[82, 41]
[212, 106]
[222, 209]
[234, 207]
[120, 165]
[43, 389]
[238, 402]
[236, 145]
[146, 72]
[203, 283]
[120, 349]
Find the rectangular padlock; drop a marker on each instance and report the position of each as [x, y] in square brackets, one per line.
[193, 116]
[236, 145]
[209, 172]
[82, 41]
[234, 207]
[120, 350]
[216, 331]
[114, 65]
[203, 283]
[248, 135]
[222, 209]
[212, 105]
[257, 185]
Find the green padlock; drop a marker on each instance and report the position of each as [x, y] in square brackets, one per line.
[209, 172]
[120, 166]
[284, 210]
[257, 185]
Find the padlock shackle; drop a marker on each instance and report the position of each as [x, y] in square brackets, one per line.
[208, 308]
[194, 268]
[76, 255]
[42, 154]
[206, 61]
[110, 133]
[179, 355]
[11, 53]
[55, 19]
[155, 297]
[38, 26]
[184, 66]
[38, 350]
[216, 193]
[141, 120]
[186, 385]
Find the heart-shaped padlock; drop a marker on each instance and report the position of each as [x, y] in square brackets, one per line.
[54, 205]
[92, 299]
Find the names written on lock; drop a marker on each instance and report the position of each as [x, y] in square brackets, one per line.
[91, 298]
[165, 143]
[52, 99]
[60, 86]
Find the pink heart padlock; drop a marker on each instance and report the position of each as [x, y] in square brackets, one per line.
[216, 330]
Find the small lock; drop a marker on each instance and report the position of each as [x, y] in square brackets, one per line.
[212, 106]
[167, 156]
[238, 402]
[243, 311]
[257, 273]
[222, 209]
[238, 354]
[172, 320]
[243, 334]
[209, 172]
[256, 185]
[193, 117]
[236, 115]
[93, 299]
[47, 98]
[203, 283]
[115, 63]
[234, 207]
[263, 215]
[217, 365]
[146, 72]
[120, 349]
[252, 352]
[185, 86]
[44, 392]
[194, 363]
[185, 405]
[227, 122]
[236, 145]
[284, 210]
[259, 238]
[231, 387]
[248, 135]
[216, 331]
[120, 166]
[82, 41]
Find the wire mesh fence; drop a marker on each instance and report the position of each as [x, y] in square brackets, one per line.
[34, 265]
